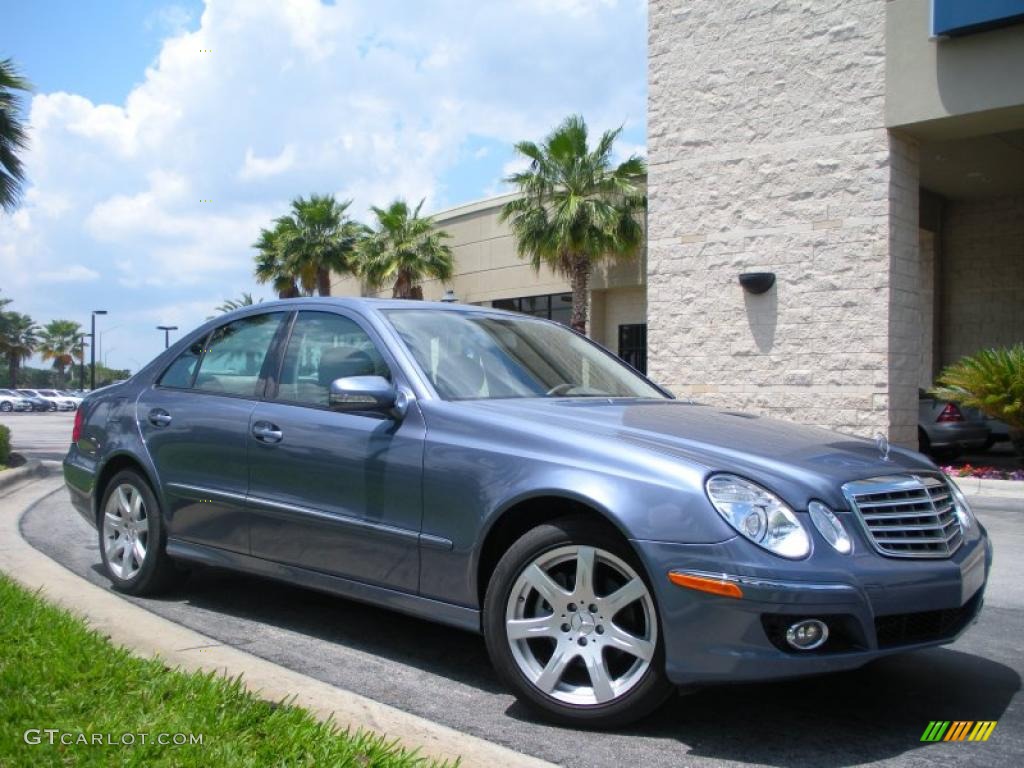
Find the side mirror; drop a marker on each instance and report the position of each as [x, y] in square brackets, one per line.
[361, 394]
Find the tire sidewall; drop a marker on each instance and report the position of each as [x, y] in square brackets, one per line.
[644, 697]
[155, 537]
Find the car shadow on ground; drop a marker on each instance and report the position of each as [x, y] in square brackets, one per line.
[874, 713]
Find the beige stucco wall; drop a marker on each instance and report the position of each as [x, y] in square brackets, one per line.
[978, 78]
[768, 152]
[487, 267]
[982, 275]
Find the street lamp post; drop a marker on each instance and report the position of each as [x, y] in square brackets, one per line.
[92, 349]
[167, 333]
[81, 361]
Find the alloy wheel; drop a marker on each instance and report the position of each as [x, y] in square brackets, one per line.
[581, 625]
[125, 531]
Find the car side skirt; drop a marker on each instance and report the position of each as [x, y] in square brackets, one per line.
[421, 607]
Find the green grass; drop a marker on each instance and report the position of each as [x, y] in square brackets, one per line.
[55, 672]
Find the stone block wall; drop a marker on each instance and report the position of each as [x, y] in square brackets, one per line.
[768, 152]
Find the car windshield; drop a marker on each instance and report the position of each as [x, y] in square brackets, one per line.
[47, 393]
[479, 355]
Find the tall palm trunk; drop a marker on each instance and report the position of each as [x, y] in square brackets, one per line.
[579, 279]
[323, 281]
[289, 291]
[12, 370]
[403, 286]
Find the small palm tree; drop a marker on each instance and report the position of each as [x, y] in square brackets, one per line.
[316, 239]
[270, 264]
[992, 381]
[245, 300]
[18, 340]
[575, 207]
[59, 342]
[406, 248]
[13, 136]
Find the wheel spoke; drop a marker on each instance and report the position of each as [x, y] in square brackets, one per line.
[524, 629]
[629, 592]
[628, 643]
[584, 589]
[139, 551]
[124, 502]
[600, 679]
[114, 523]
[553, 670]
[136, 506]
[126, 558]
[544, 584]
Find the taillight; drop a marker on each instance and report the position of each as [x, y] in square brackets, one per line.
[76, 430]
[950, 413]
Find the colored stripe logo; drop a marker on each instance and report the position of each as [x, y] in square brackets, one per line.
[959, 730]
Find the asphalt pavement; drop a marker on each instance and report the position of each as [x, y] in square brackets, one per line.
[875, 715]
[45, 435]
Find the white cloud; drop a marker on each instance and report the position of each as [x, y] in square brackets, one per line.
[262, 167]
[74, 273]
[367, 100]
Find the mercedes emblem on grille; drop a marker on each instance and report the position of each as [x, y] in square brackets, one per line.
[882, 444]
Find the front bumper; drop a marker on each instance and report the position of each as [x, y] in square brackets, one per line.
[873, 605]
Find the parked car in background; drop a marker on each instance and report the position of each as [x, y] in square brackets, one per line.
[74, 397]
[38, 402]
[56, 401]
[999, 432]
[946, 429]
[504, 474]
[12, 401]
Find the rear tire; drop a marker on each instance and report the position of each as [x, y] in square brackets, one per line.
[586, 651]
[132, 537]
[6, 407]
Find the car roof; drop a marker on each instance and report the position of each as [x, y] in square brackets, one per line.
[366, 303]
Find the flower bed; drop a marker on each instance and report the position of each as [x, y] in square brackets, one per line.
[985, 473]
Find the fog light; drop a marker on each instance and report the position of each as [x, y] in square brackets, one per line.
[807, 634]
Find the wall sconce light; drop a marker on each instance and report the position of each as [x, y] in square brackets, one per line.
[757, 282]
[449, 297]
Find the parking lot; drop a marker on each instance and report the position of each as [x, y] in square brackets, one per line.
[873, 715]
[43, 435]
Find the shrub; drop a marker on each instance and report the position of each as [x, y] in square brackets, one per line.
[993, 382]
[5, 444]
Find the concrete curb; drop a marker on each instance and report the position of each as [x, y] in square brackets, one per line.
[30, 469]
[150, 635]
[1002, 489]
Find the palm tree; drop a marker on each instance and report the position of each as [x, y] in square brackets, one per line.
[13, 136]
[317, 238]
[18, 340]
[991, 380]
[405, 247]
[245, 300]
[270, 264]
[59, 342]
[576, 208]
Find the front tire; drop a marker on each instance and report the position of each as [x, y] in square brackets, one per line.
[572, 627]
[132, 537]
[6, 407]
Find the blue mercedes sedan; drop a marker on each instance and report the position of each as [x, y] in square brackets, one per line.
[502, 474]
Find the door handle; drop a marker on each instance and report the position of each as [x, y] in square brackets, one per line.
[158, 417]
[266, 432]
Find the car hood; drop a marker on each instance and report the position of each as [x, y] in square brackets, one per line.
[794, 460]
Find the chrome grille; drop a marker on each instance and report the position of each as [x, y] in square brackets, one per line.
[907, 515]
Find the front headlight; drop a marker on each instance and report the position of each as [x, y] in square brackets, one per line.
[963, 510]
[759, 515]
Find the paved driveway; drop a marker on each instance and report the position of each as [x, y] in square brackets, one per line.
[876, 714]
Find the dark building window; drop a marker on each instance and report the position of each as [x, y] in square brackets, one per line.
[633, 345]
[553, 306]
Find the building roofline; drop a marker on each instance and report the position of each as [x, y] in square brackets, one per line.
[475, 206]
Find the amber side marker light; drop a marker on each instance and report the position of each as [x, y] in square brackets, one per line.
[705, 584]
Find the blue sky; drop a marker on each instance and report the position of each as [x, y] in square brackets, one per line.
[143, 110]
